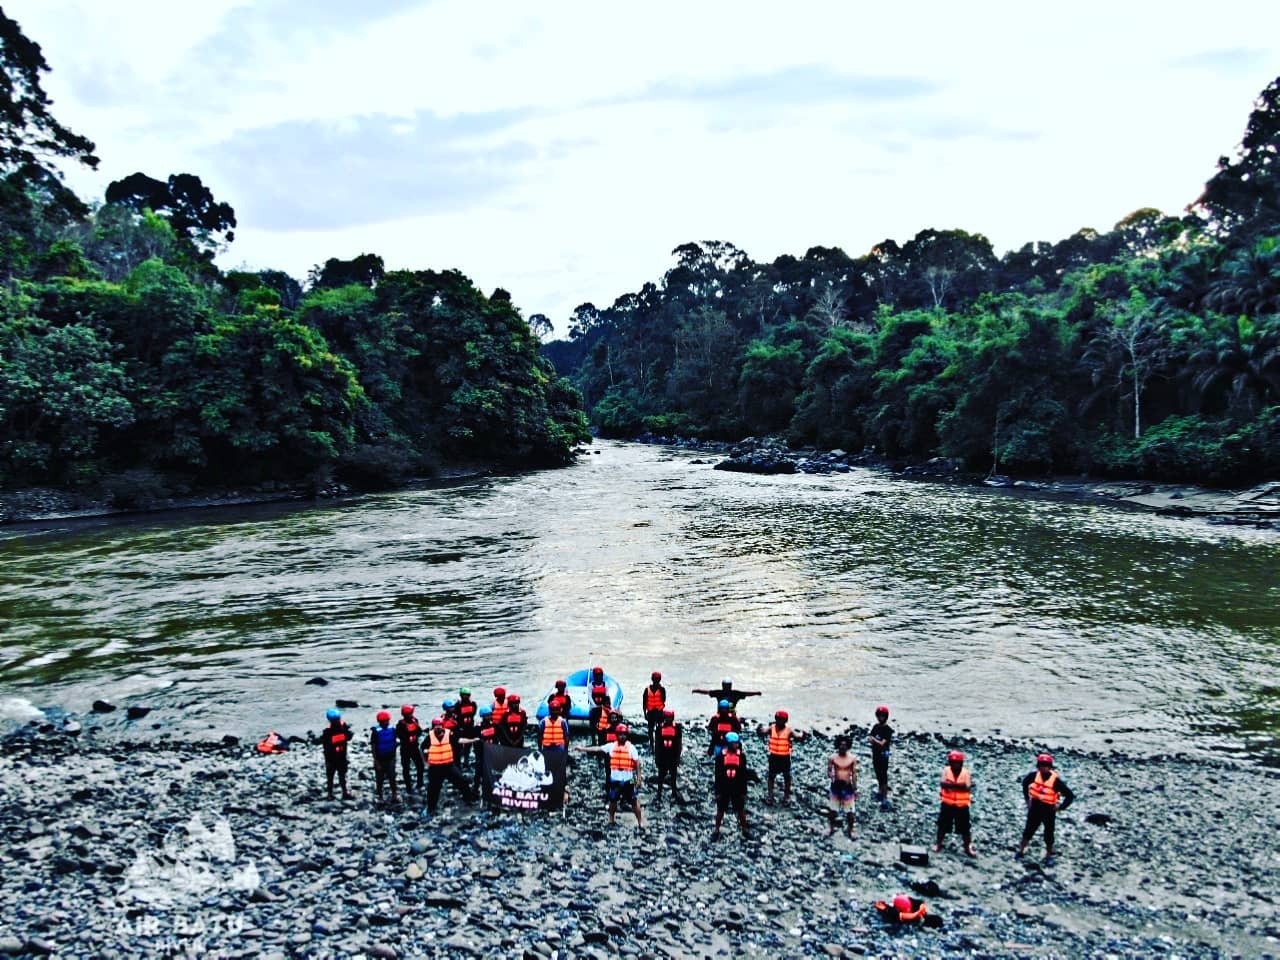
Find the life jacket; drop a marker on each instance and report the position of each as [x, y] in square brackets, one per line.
[467, 714]
[732, 764]
[951, 795]
[384, 740]
[559, 702]
[599, 694]
[273, 743]
[514, 722]
[889, 913]
[654, 699]
[1045, 790]
[488, 732]
[553, 732]
[439, 749]
[338, 739]
[621, 759]
[779, 741]
[723, 725]
[499, 711]
[412, 729]
[603, 722]
[667, 737]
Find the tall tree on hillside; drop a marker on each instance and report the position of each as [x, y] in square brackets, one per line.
[1243, 197]
[190, 207]
[366, 269]
[31, 140]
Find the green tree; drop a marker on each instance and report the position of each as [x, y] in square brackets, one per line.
[1243, 197]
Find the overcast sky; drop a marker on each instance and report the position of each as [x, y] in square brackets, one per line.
[561, 150]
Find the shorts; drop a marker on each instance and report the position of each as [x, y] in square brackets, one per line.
[842, 797]
[737, 800]
[622, 791]
[953, 819]
[779, 766]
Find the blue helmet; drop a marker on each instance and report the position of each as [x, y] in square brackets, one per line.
[333, 714]
[450, 703]
[486, 711]
[725, 704]
[731, 738]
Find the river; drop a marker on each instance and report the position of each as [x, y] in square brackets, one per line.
[964, 609]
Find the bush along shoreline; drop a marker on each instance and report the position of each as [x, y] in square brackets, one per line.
[150, 847]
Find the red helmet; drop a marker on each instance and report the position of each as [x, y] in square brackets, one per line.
[955, 755]
[1044, 760]
[597, 671]
[656, 675]
[437, 721]
[560, 684]
[499, 692]
[384, 717]
[669, 714]
[782, 715]
[902, 903]
[882, 709]
[406, 710]
[514, 698]
[621, 728]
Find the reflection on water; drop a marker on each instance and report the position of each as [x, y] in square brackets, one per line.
[962, 608]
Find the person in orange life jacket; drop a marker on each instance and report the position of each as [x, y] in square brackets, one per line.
[957, 794]
[603, 722]
[514, 721]
[600, 702]
[655, 701]
[441, 766]
[731, 784]
[612, 720]
[881, 739]
[486, 734]
[449, 717]
[335, 738]
[382, 742]
[499, 707]
[553, 731]
[624, 774]
[721, 724]
[1045, 793]
[409, 736]
[668, 743]
[842, 771]
[726, 692]
[466, 712]
[559, 700]
[780, 738]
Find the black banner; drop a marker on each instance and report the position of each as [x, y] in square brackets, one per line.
[524, 779]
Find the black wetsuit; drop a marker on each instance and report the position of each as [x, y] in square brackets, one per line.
[1039, 813]
[336, 737]
[880, 756]
[409, 736]
[668, 744]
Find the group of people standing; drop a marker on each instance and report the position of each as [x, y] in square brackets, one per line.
[435, 755]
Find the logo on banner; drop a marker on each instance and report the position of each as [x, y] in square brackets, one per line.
[524, 779]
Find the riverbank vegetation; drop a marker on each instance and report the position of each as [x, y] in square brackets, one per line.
[1149, 350]
[130, 363]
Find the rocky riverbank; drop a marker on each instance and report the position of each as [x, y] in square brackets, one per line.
[125, 849]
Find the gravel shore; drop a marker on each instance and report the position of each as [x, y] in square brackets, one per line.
[125, 849]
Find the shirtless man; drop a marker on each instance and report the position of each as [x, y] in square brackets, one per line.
[842, 769]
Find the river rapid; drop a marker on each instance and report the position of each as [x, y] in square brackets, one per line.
[965, 609]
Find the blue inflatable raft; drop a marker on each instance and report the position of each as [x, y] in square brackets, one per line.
[578, 686]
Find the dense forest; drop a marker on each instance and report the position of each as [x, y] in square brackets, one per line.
[130, 364]
[1151, 350]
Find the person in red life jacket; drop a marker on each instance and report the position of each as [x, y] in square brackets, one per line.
[1045, 793]
[881, 739]
[781, 736]
[382, 742]
[624, 774]
[957, 795]
[466, 712]
[441, 766]
[559, 701]
[499, 704]
[655, 701]
[721, 724]
[668, 743]
[842, 771]
[486, 735]
[731, 784]
[409, 736]
[600, 703]
[335, 738]
[726, 692]
[449, 718]
[511, 729]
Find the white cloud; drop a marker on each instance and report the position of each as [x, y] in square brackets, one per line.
[626, 131]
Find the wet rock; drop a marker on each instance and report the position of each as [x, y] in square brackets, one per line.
[1098, 819]
[10, 946]
[103, 706]
[230, 741]
[317, 682]
[342, 704]
[40, 947]
[415, 871]
[137, 713]
[383, 951]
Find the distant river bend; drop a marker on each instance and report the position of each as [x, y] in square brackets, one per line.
[963, 609]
